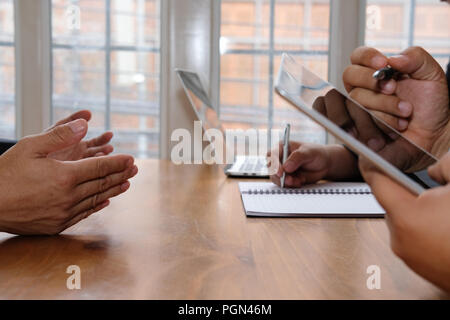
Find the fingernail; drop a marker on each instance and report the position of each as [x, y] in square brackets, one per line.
[125, 186]
[130, 162]
[77, 126]
[289, 166]
[134, 171]
[393, 135]
[402, 124]
[375, 144]
[399, 57]
[405, 108]
[378, 62]
[389, 86]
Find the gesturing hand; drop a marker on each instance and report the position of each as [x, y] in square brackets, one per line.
[95, 147]
[42, 195]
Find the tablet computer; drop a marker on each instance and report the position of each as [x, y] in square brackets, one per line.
[357, 127]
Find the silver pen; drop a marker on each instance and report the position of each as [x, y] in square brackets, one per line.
[386, 73]
[287, 132]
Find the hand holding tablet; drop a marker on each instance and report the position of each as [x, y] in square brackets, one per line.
[392, 153]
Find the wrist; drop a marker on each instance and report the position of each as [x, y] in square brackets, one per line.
[343, 164]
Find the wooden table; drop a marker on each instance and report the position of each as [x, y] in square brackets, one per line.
[180, 233]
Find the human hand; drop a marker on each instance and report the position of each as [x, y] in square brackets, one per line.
[95, 147]
[43, 196]
[371, 131]
[416, 104]
[418, 225]
[309, 163]
[440, 172]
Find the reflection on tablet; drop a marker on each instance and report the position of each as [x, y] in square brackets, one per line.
[305, 89]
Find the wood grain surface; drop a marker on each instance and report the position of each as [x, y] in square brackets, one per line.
[180, 232]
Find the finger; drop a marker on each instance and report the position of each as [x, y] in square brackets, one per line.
[95, 168]
[380, 102]
[319, 106]
[58, 138]
[392, 197]
[356, 76]
[93, 187]
[399, 124]
[440, 172]
[368, 132]
[418, 64]
[293, 181]
[94, 151]
[101, 140]
[83, 114]
[275, 179]
[369, 57]
[336, 109]
[95, 200]
[86, 214]
[298, 158]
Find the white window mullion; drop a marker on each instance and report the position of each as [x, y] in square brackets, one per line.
[33, 66]
[108, 65]
[186, 35]
[347, 29]
[215, 53]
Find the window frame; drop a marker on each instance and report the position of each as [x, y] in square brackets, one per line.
[108, 49]
[34, 62]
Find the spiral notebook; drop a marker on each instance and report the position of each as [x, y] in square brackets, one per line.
[344, 199]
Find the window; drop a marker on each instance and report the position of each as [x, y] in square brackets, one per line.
[7, 70]
[254, 34]
[106, 59]
[396, 25]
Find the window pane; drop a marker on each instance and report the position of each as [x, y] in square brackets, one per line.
[79, 23]
[106, 59]
[249, 62]
[7, 70]
[393, 26]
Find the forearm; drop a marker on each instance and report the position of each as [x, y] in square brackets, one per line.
[343, 164]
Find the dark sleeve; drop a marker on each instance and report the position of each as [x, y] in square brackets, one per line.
[5, 145]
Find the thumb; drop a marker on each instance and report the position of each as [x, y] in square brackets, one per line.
[440, 171]
[59, 137]
[418, 64]
[392, 197]
[298, 158]
[83, 114]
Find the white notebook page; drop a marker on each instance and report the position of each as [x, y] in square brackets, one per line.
[264, 199]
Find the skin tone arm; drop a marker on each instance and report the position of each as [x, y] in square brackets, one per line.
[309, 163]
[40, 195]
[418, 225]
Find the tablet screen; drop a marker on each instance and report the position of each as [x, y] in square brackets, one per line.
[307, 90]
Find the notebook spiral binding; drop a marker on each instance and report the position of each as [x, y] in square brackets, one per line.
[311, 191]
